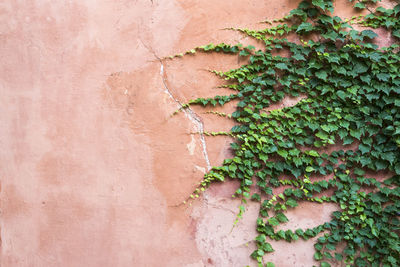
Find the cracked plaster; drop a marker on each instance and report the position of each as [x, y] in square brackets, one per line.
[94, 167]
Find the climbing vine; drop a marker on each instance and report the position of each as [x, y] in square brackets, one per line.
[333, 144]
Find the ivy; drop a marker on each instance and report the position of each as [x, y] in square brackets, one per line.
[352, 90]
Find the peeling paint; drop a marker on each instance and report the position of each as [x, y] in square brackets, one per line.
[192, 145]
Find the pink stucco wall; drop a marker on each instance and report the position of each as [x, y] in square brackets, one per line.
[92, 165]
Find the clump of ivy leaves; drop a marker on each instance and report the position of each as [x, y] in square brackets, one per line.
[352, 91]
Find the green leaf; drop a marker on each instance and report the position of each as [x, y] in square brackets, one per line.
[256, 197]
[281, 66]
[360, 67]
[305, 26]
[368, 33]
[232, 167]
[292, 203]
[364, 148]
[383, 76]
[270, 264]
[281, 234]
[322, 135]
[332, 35]
[298, 57]
[397, 168]
[281, 217]
[380, 165]
[282, 153]
[318, 246]
[389, 156]
[273, 221]
[318, 256]
[322, 75]
[392, 260]
[319, 3]
[338, 256]
[267, 247]
[359, 5]
[296, 172]
[341, 94]
[310, 169]
[348, 140]
[330, 246]
[325, 264]
[261, 238]
[365, 161]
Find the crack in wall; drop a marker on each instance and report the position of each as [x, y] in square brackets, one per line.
[190, 114]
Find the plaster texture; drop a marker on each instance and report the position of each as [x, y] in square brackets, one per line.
[93, 166]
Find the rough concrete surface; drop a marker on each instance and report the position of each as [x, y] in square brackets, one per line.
[93, 166]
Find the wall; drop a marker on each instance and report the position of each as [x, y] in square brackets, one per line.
[93, 166]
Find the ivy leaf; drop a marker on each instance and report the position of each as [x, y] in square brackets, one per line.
[326, 19]
[305, 26]
[397, 168]
[330, 246]
[322, 75]
[359, 5]
[364, 148]
[256, 197]
[359, 172]
[267, 247]
[319, 3]
[297, 161]
[383, 77]
[360, 67]
[356, 133]
[281, 217]
[348, 140]
[244, 53]
[341, 94]
[282, 153]
[232, 167]
[332, 35]
[322, 135]
[392, 260]
[338, 256]
[365, 161]
[281, 234]
[318, 256]
[310, 169]
[298, 57]
[282, 66]
[380, 165]
[292, 203]
[389, 156]
[368, 33]
[296, 172]
[250, 47]
[273, 221]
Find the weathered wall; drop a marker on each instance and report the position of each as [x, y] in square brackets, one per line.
[93, 167]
